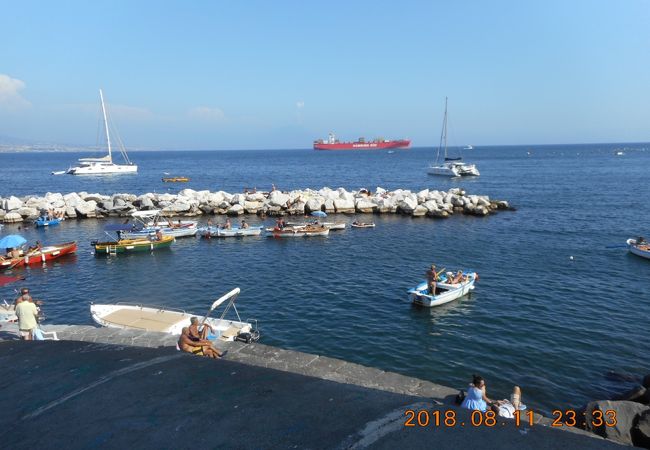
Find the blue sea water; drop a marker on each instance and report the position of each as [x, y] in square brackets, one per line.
[565, 330]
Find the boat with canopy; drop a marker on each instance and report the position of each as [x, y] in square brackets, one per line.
[148, 223]
[172, 321]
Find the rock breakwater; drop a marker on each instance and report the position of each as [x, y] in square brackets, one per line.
[188, 202]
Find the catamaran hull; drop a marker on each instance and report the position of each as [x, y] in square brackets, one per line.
[419, 295]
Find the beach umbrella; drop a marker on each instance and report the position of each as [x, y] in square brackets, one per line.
[318, 214]
[12, 241]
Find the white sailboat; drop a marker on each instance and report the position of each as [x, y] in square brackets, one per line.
[104, 165]
[450, 167]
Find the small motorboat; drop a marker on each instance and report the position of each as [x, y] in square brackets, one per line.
[43, 221]
[172, 321]
[59, 172]
[131, 245]
[356, 224]
[445, 292]
[288, 232]
[639, 247]
[175, 179]
[331, 225]
[212, 231]
[147, 223]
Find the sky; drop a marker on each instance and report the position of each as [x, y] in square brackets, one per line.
[279, 74]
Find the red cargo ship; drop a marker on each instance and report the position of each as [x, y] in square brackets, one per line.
[334, 144]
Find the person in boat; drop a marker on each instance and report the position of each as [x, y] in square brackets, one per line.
[432, 278]
[279, 224]
[641, 241]
[243, 225]
[37, 247]
[159, 235]
[227, 225]
[458, 278]
[13, 253]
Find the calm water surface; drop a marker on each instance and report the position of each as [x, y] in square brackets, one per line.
[555, 326]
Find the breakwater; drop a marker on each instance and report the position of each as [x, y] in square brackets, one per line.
[188, 202]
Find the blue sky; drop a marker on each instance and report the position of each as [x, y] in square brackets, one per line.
[277, 74]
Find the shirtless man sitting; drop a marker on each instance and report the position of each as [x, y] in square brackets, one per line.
[195, 342]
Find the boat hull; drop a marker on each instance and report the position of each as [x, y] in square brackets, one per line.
[131, 246]
[46, 222]
[6, 264]
[166, 231]
[401, 143]
[640, 250]
[49, 253]
[298, 232]
[449, 292]
[103, 169]
[363, 225]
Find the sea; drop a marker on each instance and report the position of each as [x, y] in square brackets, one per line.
[561, 308]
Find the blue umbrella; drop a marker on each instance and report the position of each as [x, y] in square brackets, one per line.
[318, 214]
[12, 241]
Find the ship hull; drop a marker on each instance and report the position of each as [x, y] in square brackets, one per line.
[402, 143]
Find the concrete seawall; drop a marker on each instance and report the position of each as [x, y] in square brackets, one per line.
[116, 388]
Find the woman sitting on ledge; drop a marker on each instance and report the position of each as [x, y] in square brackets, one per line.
[477, 398]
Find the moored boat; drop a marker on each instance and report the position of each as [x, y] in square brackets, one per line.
[131, 245]
[49, 253]
[288, 232]
[212, 231]
[331, 225]
[147, 223]
[172, 321]
[11, 263]
[639, 247]
[356, 224]
[445, 292]
[45, 222]
[175, 179]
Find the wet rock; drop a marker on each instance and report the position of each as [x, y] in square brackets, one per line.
[626, 416]
[641, 430]
[646, 381]
[440, 213]
[419, 211]
[12, 217]
[633, 394]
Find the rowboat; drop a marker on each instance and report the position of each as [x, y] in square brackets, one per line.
[172, 321]
[445, 292]
[147, 223]
[176, 180]
[39, 256]
[331, 225]
[131, 245]
[363, 225]
[298, 231]
[639, 247]
[45, 222]
[212, 231]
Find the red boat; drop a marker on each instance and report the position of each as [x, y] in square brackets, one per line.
[39, 256]
[334, 144]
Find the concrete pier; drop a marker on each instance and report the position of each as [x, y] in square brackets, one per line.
[128, 389]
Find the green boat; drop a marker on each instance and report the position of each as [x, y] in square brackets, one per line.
[131, 245]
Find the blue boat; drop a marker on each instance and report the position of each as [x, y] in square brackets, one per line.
[45, 222]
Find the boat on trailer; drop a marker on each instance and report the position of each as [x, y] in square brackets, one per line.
[172, 321]
[212, 231]
[445, 291]
[639, 247]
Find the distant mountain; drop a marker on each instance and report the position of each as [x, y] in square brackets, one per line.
[11, 140]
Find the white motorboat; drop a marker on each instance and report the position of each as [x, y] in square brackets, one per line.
[445, 292]
[172, 321]
[103, 165]
[149, 222]
[639, 247]
[212, 231]
[450, 167]
[356, 224]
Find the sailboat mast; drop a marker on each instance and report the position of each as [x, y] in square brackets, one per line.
[443, 134]
[108, 136]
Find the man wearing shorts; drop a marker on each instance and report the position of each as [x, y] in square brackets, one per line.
[27, 319]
